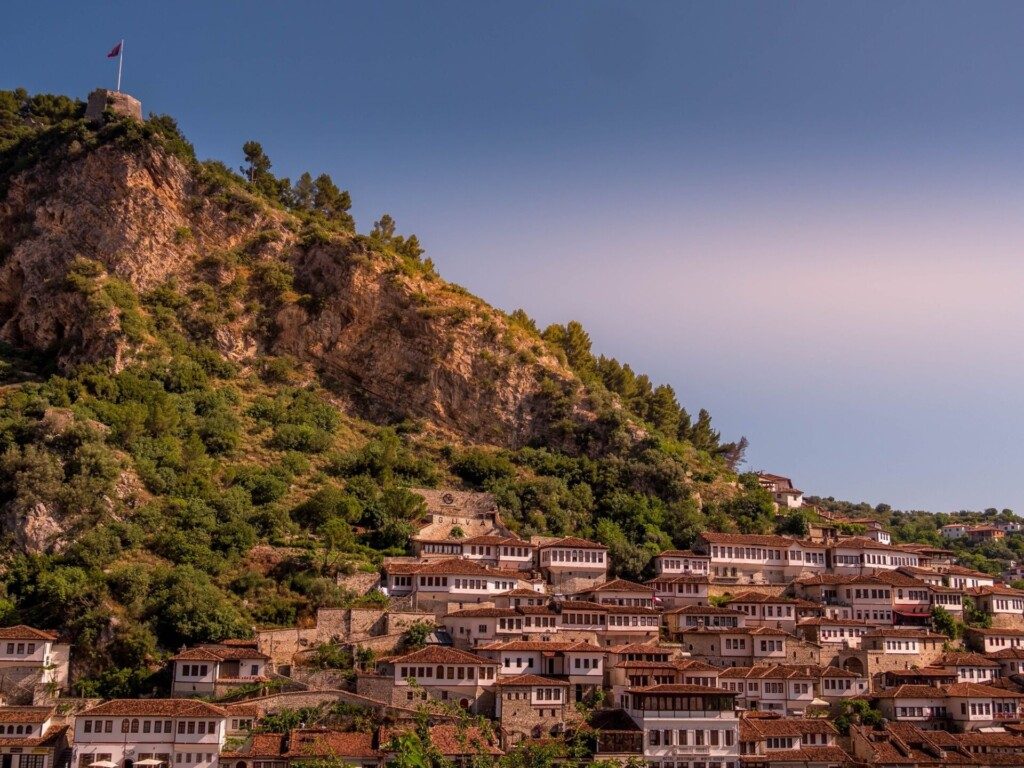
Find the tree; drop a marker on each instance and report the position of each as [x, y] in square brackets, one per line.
[337, 537]
[794, 524]
[415, 635]
[944, 623]
[332, 202]
[383, 228]
[302, 192]
[257, 168]
[856, 711]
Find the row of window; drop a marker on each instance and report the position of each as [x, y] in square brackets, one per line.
[573, 556]
[684, 737]
[446, 673]
[151, 726]
[22, 648]
[673, 564]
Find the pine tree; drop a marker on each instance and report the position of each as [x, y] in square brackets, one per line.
[302, 194]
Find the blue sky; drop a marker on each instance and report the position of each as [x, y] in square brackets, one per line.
[806, 217]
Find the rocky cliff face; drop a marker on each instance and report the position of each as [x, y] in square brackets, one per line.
[393, 342]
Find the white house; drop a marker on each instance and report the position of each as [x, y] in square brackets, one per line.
[181, 733]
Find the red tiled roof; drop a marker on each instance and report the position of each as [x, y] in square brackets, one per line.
[323, 742]
[618, 585]
[804, 755]
[979, 689]
[436, 654]
[758, 540]
[704, 610]
[572, 541]
[757, 728]
[964, 660]
[24, 632]
[25, 714]
[528, 681]
[784, 672]
[541, 645]
[761, 598]
[156, 708]
[682, 553]
[481, 613]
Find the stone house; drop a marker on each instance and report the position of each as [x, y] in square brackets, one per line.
[747, 646]
[531, 707]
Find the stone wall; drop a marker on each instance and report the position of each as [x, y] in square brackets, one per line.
[1008, 621]
[521, 720]
[122, 104]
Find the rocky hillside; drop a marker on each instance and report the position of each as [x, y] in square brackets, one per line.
[217, 392]
[394, 342]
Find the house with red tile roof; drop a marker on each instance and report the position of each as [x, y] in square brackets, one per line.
[778, 742]
[215, 669]
[685, 722]
[785, 494]
[31, 660]
[571, 564]
[32, 737]
[791, 689]
[179, 732]
[743, 558]
[532, 707]
[434, 672]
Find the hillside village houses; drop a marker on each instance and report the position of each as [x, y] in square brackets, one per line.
[737, 652]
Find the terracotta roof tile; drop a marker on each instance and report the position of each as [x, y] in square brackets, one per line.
[436, 654]
[24, 632]
[526, 681]
[323, 742]
[25, 714]
[157, 708]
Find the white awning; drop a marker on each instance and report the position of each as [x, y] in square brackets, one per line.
[103, 764]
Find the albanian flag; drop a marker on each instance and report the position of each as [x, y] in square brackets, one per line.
[114, 52]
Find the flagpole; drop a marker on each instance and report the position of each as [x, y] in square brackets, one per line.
[120, 60]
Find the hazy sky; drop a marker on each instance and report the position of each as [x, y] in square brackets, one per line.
[806, 217]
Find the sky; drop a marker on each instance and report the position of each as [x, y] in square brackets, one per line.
[804, 216]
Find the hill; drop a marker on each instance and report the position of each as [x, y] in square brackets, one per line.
[216, 393]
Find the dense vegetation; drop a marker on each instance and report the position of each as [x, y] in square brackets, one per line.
[199, 498]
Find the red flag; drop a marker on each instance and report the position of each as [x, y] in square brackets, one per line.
[114, 52]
